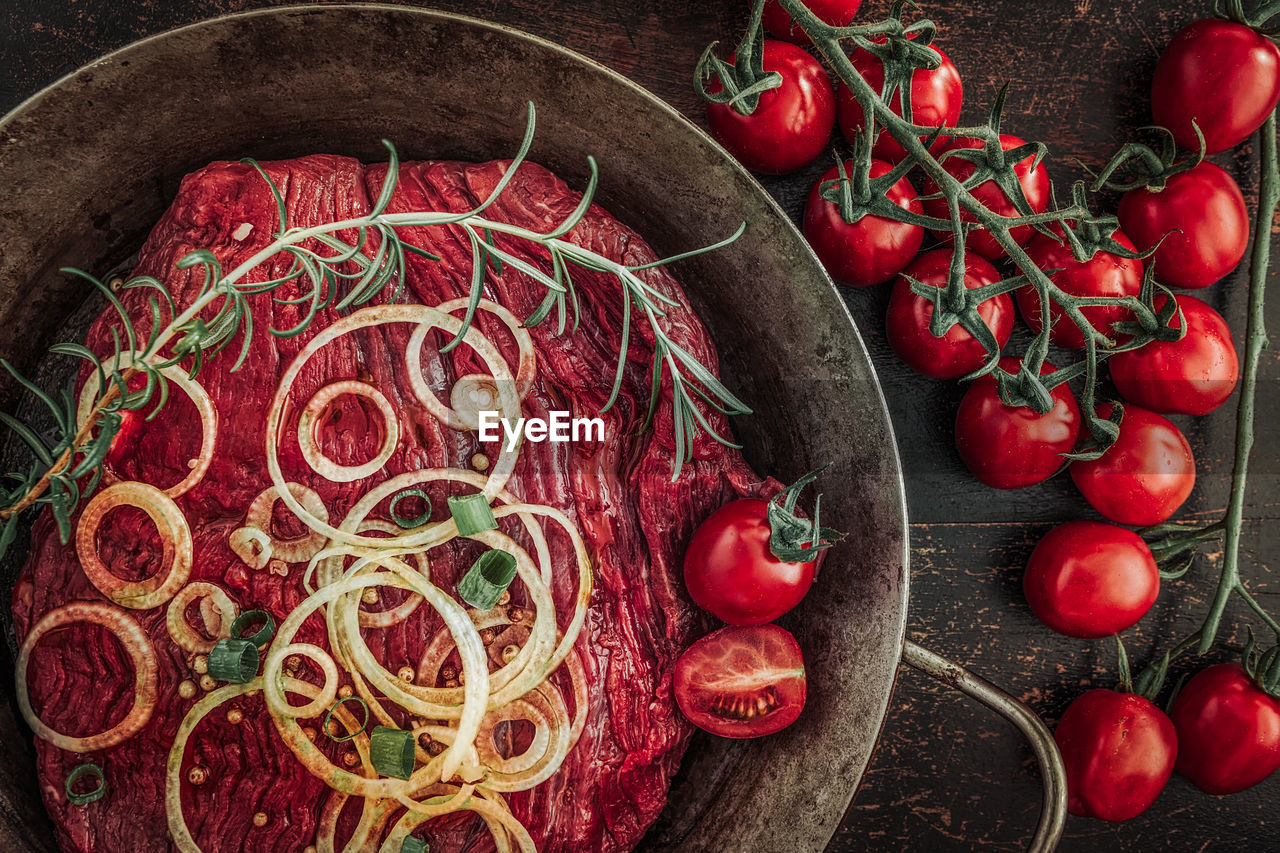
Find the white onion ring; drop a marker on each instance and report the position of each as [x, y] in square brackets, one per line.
[273, 688]
[251, 545]
[460, 415]
[310, 417]
[192, 388]
[176, 616]
[175, 536]
[136, 643]
[258, 521]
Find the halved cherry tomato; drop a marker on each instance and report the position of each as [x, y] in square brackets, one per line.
[1223, 75]
[1010, 447]
[957, 352]
[1228, 728]
[1104, 274]
[1090, 579]
[1034, 183]
[1202, 211]
[1118, 750]
[742, 681]
[731, 573]
[837, 13]
[936, 98]
[790, 125]
[1145, 476]
[871, 250]
[1192, 376]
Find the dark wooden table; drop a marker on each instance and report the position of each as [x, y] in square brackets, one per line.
[947, 775]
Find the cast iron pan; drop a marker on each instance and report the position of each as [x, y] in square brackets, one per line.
[88, 165]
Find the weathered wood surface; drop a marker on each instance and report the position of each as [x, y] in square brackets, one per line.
[947, 776]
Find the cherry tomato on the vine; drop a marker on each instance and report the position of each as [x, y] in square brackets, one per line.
[871, 250]
[1203, 213]
[1118, 750]
[1192, 376]
[731, 572]
[1223, 75]
[790, 125]
[837, 13]
[957, 352]
[1034, 183]
[936, 98]
[1228, 728]
[1091, 579]
[742, 681]
[1145, 476]
[1009, 447]
[1104, 274]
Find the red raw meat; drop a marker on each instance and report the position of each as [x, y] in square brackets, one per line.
[635, 521]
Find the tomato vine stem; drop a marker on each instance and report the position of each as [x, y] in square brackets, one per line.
[1255, 342]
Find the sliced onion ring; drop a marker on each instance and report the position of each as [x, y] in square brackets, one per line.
[258, 519]
[273, 688]
[176, 616]
[174, 534]
[136, 644]
[310, 445]
[192, 388]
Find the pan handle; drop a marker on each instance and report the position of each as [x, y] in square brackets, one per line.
[1053, 812]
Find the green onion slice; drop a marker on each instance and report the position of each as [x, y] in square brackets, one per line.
[473, 514]
[248, 618]
[418, 520]
[329, 717]
[487, 579]
[391, 752]
[414, 845]
[234, 660]
[80, 772]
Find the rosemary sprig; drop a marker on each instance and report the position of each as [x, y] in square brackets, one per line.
[342, 275]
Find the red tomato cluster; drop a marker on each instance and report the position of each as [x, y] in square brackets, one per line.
[1085, 579]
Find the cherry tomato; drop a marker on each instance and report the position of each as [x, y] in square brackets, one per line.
[1010, 448]
[731, 573]
[1223, 75]
[871, 250]
[1118, 750]
[1203, 212]
[1228, 728]
[1034, 183]
[1145, 476]
[837, 13]
[957, 352]
[1192, 376]
[1090, 579]
[936, 98]
[790, 125]
[1104, 274]
[742, 681]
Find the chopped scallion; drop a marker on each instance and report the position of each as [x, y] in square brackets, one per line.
[487, 579]
[234, 660]
[328, 718]
[473, 514]
[418, 520]
[82, 771]
[391, 752]
[250, 617]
